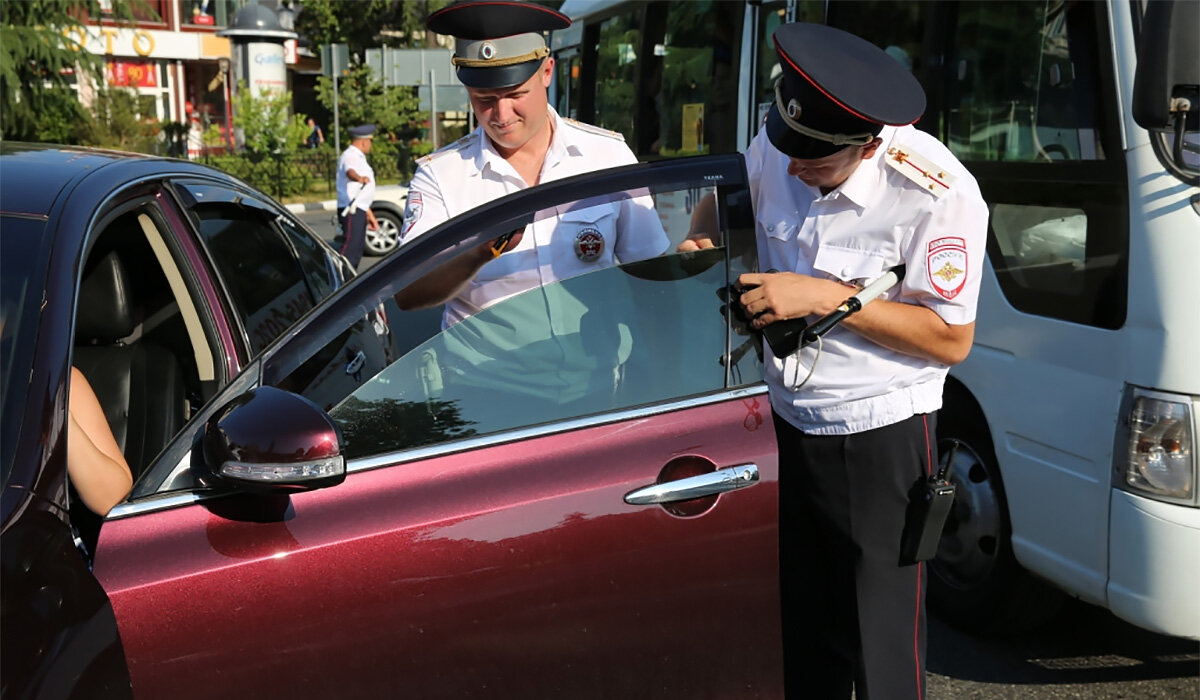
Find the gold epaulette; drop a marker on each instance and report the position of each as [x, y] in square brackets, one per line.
[450, 148]
[931, 177]
[591, 129]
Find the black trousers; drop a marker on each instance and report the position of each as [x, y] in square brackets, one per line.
[852, 615]
[354, 236]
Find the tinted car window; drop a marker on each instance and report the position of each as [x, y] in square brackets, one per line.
[311, 256]
[256, 262]
[604, 339]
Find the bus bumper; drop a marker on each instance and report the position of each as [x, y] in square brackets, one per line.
[1154, 564]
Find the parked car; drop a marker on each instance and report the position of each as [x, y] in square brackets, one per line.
[579, 505]
[388, 207]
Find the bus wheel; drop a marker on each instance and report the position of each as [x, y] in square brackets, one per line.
[975, 581]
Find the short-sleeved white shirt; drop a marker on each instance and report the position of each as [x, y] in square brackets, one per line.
[470, 172]
[877, 219]
[347, 191]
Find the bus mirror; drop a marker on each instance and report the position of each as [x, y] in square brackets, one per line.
[1166, 87]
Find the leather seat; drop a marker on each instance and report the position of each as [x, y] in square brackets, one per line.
[139, 383]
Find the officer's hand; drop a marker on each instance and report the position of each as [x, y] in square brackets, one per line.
[695, 242]
[778, 296]
[493, 248]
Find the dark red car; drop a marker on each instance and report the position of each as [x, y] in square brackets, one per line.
[488, 510]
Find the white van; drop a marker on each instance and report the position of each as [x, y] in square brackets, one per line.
[1077, 406]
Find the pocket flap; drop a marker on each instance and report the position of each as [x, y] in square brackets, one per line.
[848, 264]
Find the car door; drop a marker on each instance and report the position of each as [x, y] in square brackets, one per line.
[571, 493]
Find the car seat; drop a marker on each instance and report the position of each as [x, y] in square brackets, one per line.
[140, 384]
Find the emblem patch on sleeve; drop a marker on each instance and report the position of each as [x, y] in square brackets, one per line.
[412, 212]
[947, 265]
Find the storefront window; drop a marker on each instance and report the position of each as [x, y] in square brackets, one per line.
[209, 13]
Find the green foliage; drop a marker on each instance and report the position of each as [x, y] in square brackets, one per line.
[363, 100]
[265, 122]
[117, 122]
[40, 61]
[39, 58]
[329, 22]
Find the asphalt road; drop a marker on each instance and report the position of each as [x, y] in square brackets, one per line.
[1085, 652]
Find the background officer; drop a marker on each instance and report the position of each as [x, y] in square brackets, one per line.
[502, 59]
[356, 192]
[844, 189]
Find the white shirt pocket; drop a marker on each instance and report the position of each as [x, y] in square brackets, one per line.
[583, 240]
[848, 264]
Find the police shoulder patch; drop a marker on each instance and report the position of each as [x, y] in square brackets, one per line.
[928, 175]
[454, 147]
[591, 129]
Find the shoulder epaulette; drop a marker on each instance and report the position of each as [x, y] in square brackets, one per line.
[592, 129]
[929, 176]
[449, 148]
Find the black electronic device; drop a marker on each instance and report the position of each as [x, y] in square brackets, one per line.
[928, 507]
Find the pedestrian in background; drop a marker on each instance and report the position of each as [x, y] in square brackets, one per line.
[356, 192]
[316, 137]
[844, 189]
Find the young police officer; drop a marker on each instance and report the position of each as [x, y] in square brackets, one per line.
[844, 189]
[502, 59]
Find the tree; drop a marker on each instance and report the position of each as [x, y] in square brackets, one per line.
[265, 123]
[364, 100]
[40, 61]
[117, 122]
[372, 24]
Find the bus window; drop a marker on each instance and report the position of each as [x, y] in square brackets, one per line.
[1023, 83]
[616, 73]
[566, 78]
[770, 17]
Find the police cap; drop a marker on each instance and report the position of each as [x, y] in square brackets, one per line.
[498, 43]
[362, 132]
[836, 90]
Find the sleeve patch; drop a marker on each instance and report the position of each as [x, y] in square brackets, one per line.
[412, 212]
[946, 263]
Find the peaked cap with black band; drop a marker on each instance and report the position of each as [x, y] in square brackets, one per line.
[836, 90]
[498, 43]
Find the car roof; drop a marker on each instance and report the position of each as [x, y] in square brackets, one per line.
[32, 175]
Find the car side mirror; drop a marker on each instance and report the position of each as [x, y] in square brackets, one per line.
[274, 440]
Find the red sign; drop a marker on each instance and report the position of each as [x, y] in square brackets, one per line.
[131, 74]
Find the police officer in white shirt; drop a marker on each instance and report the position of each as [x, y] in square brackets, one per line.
[355, 193]
[844, 189]
[502, 59]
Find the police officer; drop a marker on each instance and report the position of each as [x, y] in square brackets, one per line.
[844, 189]
[502, 59]
[356, 192]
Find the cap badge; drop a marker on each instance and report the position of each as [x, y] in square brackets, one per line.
[589, 244]
[488, 50]
[793, 109]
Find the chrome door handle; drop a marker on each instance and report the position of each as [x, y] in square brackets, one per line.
[720, 481]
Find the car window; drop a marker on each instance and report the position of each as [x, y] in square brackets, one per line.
[311, 255]
[604, 338]
[255, 260]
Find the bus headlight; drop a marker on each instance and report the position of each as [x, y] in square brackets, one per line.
[1160, 459]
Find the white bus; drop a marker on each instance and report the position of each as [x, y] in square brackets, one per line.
[1077, 406]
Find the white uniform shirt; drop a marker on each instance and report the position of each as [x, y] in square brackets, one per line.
[348, 191]
[469, 172]
[877, 219]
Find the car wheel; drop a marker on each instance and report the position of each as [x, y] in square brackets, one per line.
[384, 239]
[976, 583]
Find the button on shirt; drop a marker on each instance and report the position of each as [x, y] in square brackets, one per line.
[349, 191]
[470, 172]
[877, 219]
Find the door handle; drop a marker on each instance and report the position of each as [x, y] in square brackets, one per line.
[720, 481]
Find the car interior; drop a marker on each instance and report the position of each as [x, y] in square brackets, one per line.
[140, 343]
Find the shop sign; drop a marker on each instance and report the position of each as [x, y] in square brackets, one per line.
[131, 74]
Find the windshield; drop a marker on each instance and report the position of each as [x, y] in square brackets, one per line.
[22, 268]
